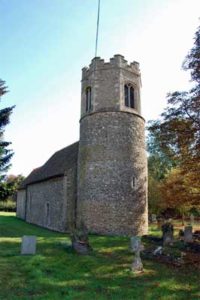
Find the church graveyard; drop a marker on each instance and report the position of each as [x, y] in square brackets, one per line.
[57, 272]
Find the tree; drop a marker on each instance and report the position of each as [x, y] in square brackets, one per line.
[154, 195]
[192, 62]
[159, 165]
[9, 187]
[5, 153]
[159, 160]
[177, 191]
[178, 134]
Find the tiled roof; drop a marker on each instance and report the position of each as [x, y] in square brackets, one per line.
[58, 163]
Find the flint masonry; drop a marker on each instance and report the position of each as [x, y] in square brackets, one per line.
[100, 181]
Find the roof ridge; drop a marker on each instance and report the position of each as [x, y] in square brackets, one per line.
[56, 165]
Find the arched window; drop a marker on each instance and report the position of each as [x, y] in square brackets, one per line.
[88, 93]
[129, 96]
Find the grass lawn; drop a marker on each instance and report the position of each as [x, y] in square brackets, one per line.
[56, 272]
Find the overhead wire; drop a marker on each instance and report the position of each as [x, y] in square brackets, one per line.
[97, 30]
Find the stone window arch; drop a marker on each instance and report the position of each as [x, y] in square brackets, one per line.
[129, 95]
[88, 94]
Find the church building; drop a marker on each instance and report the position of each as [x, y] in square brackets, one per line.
[100, 181]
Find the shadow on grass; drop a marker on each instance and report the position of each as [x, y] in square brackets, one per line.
[56, 272]
[11, 226]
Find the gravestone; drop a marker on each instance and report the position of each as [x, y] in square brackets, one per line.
[28, 245]
[80, 240]
[136, 247]
[192, 219]
[188, 238]
[154, 218]
[168, 233]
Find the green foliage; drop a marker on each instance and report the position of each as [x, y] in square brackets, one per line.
[159, 165]
[174, 142]
[154, 195]
[5, 153]
[8, 205]
[56, 272]
[8, 192]
[192, 61]
[9, 187]
[178, 130]
[3, 88]
[159, 160]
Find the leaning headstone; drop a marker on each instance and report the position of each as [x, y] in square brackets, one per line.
[28, 245]
[168, 233]
[192, 220]
[188, 238]
[154, 218]
[136, 247]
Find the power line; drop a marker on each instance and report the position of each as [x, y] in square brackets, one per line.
[97, 32]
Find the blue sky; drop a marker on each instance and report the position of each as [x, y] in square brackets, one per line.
[45, 43]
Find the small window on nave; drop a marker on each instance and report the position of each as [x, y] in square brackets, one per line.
[129, 96]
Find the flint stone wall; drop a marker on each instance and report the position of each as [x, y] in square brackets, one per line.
[45, 204]
[112, 174]
[51, 203]
[21, 204]
[107, 81]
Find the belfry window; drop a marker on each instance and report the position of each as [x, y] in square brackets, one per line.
[129, 96]
[88, 93]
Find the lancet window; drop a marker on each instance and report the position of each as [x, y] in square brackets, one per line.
[129, 96]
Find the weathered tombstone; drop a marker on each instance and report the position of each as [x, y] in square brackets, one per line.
[168, 233]
[136, 247]
[188, 238]
[154, 218]
[28, 245]
[80, 240]
[192, 220]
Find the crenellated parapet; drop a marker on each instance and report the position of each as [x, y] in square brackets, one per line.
[104, 84]
[117, 61]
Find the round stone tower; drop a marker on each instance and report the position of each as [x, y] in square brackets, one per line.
[112, 164]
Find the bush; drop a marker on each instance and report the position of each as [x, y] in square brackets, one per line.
[8, 205]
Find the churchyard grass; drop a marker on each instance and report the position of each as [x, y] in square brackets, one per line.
[56, 272]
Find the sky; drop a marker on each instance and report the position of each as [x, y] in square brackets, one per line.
[46, 43]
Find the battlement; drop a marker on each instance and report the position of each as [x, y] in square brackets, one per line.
[117, 61]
